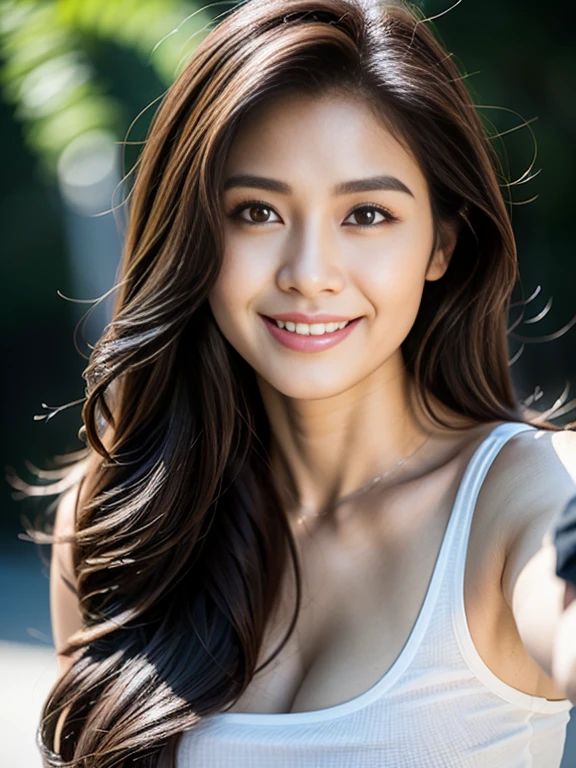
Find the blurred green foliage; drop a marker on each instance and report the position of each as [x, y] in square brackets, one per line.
[47, 72]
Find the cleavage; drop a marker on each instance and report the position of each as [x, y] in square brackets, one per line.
[360, 603]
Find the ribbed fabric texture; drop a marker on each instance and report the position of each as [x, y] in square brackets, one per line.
[438, 706]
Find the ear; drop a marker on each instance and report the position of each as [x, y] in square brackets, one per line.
[441, 257]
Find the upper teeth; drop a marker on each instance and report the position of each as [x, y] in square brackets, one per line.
[315, 329]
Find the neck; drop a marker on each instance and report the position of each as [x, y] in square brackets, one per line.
[325, 449]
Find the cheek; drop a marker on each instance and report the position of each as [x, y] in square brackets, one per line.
[239, 282]
[392, 275]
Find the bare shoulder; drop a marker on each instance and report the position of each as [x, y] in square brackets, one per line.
[64, 529]
[64, 521]
[527, 486]
[65, 516]
[534, 471]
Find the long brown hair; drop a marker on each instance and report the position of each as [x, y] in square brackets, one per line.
[180, 540]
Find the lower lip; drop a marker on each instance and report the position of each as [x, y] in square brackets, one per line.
[300, 343]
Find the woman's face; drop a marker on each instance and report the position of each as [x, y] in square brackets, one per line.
[325, 213]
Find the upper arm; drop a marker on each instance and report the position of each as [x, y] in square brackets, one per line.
[545, 480]
[65, 612]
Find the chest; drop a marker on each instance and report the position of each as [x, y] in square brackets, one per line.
[361, 601]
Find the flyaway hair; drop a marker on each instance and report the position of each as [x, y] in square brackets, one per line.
[180, 542]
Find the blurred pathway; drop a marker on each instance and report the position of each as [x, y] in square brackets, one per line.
[27, 673]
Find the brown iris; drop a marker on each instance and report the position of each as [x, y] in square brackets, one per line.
[262, 216]
[366, 214]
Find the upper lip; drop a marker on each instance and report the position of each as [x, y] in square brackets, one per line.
[299, 317]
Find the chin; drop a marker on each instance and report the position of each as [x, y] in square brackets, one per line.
[296, 387]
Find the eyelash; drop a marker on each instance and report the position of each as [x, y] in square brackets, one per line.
[234, 213]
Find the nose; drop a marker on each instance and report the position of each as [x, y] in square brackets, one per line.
[312, 262]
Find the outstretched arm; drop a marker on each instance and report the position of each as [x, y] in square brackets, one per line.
[542, 602]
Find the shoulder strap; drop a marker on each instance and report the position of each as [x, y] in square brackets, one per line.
[470, 486]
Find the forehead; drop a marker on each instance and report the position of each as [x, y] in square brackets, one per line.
[333, 137]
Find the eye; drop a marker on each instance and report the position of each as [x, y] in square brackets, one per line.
[366, 216]
[258, 212]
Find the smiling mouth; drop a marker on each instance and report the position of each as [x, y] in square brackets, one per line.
[310, 329]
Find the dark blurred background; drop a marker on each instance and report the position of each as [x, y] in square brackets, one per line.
[78, 76]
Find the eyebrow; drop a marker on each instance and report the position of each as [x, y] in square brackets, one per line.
[371, 184]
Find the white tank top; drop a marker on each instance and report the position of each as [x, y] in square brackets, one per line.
[438, 706]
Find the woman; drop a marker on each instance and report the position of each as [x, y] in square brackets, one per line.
[310, 497]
